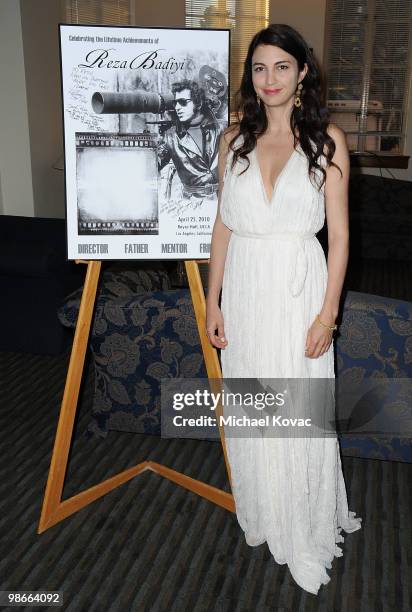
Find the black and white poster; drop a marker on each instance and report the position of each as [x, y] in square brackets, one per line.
[143, 112]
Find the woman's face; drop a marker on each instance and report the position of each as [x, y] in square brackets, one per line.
[275, 74]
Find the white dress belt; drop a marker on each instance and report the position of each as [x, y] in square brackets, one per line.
[300, 263]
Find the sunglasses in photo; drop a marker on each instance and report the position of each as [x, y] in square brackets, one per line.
[182, 101]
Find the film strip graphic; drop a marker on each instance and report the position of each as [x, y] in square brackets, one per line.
[126, 227]
[112, 141]
[108, 139]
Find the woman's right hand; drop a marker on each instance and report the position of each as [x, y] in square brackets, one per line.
[214, 320]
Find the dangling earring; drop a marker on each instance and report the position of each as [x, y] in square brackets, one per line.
[298, 101]
[258, 101]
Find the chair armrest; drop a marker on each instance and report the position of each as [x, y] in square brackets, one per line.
[375, 336]
[375, 344]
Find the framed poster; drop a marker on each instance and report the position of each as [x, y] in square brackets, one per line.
[143, 110]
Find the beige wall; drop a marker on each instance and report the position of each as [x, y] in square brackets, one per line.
[15, 164]
[306, 16]
[169, 13]
[41, 57]
[30, 116]
[1, 199]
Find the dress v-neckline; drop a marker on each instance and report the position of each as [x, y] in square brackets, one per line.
[269, 201]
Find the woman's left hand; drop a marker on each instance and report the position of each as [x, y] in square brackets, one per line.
[318, 340]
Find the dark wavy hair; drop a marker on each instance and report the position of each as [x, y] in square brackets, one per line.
[197, 93]
[311, 118]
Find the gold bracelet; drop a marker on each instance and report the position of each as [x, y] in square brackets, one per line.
[331, 328]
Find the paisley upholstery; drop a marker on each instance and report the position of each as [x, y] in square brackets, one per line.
[142, 331]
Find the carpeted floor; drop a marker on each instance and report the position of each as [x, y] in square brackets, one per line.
[151, 545]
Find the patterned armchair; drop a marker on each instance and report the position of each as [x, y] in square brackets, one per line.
[375, 342]
[144, 330]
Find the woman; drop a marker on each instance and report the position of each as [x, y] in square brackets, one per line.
[282, 167]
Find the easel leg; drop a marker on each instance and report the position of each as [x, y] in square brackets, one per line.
[213, 368]
[54, 509]
[61, 448]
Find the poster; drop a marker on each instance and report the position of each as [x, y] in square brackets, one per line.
[143, 110]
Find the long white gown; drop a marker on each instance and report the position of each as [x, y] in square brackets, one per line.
[289, 491]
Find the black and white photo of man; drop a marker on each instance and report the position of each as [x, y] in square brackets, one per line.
[192, 142]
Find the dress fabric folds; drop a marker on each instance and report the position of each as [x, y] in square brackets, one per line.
[289, 491]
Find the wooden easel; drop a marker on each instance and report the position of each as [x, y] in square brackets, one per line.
[55, 509]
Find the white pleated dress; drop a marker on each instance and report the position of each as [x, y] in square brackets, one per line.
[289, 492]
